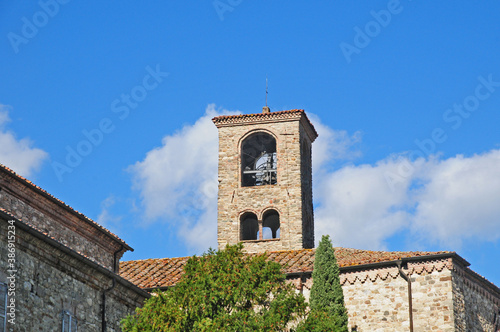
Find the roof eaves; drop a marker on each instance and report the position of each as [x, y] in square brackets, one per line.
[53, 242]
[65, 206]
[254, 115]
[482, 280]
[375, 265]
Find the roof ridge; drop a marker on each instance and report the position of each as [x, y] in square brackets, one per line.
[153, 259]
[396, 251]
[419, 253]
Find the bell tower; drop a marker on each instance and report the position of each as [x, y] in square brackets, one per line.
[265, 180]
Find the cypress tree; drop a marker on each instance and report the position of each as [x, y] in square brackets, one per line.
[327, 299]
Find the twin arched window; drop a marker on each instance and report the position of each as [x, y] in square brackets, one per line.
[265, 229]
[258, 160]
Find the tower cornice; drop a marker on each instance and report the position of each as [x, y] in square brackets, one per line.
[258, 118]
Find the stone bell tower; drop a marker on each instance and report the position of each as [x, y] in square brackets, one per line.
[265, 180]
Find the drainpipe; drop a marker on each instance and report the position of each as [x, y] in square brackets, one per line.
[115, 270]
[410, 302]
[496, 321]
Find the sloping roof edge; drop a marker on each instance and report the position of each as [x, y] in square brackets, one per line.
[65, 206]
[53, 242]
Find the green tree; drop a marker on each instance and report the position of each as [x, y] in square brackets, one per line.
[224, 290]
[328, 312]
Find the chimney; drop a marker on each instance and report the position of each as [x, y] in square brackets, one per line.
[266, 109]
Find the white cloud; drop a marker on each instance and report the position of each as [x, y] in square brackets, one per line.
[106, 217]
[178, 181]
[332, 145]
[18, 154]
[358, 208]
[459, 199]
[445, 201]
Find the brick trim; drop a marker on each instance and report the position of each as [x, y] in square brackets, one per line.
[478, 283]
[243, 119]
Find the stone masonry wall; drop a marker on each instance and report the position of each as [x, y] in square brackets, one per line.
[377, 299]
[49, 281]
[382, 305]
[31, 207]
[476, 306]
[285, 196]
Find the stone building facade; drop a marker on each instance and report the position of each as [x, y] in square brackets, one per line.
[265, 165]
[58, 268]
[445, 294]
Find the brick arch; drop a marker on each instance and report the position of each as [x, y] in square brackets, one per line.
[255, 131]
[271, 218]
[242, 212]
[269, 208]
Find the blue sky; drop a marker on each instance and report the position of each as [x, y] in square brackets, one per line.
[107, 106]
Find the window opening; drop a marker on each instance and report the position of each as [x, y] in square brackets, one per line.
[271, 225]
[259, 160]
[249, 227]
[69, 322]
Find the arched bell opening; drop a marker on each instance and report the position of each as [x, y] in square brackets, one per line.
[258, 160]
[249, 227]
[271, 225]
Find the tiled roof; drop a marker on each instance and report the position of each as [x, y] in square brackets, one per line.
[80, 215]
[154, 272]
[242, 118]
[286, 113]
[165, 272]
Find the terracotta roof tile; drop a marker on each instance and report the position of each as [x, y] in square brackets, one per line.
[253, 115]
[228, 119]
[153, 273]
[165, 272]
[61, 203]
